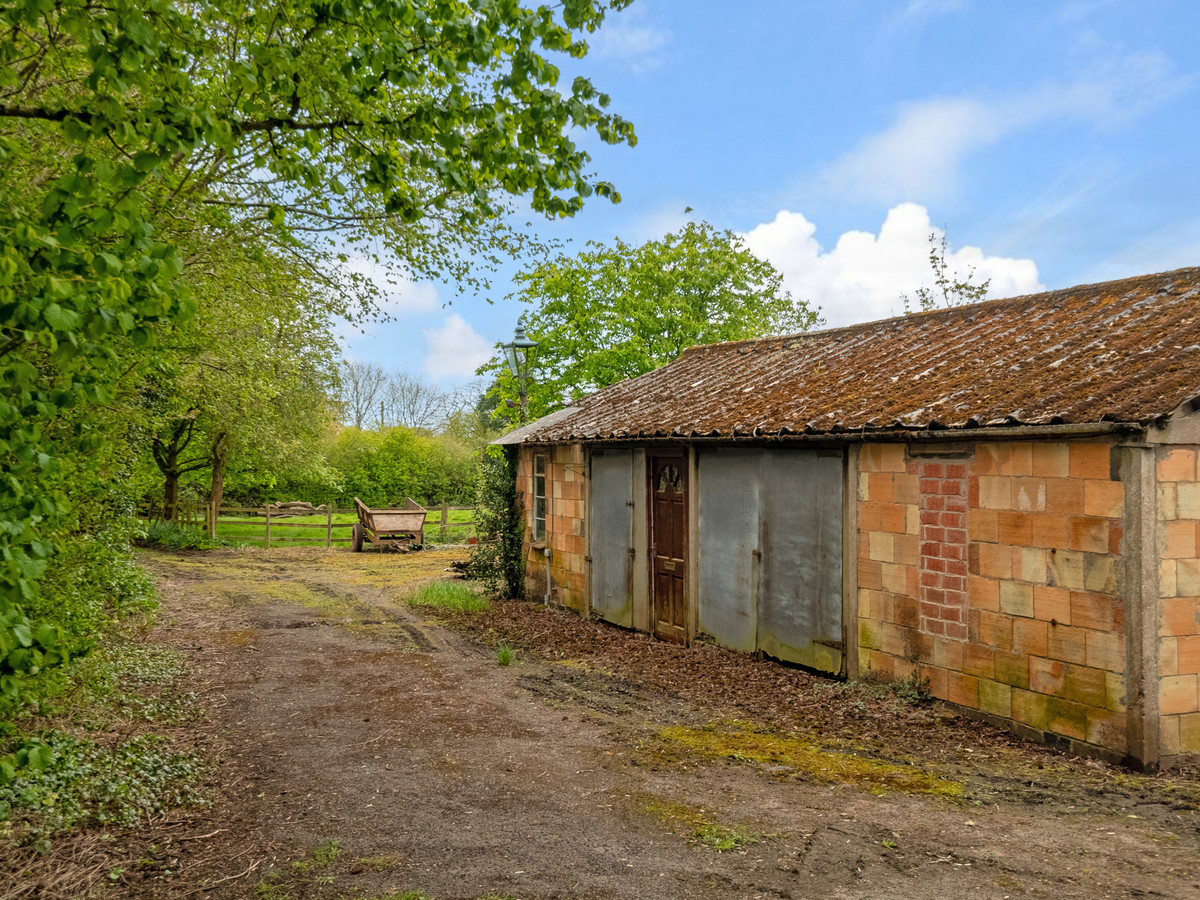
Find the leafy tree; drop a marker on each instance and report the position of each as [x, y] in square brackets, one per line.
[246, 379]
[949, 288]
[127, 129]
[615, 312]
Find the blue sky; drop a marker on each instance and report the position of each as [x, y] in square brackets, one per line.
[1056, 143]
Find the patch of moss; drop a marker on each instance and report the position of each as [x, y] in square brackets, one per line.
[697, 822]
[743, 742]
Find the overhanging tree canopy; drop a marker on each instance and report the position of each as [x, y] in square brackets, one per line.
[126, 128]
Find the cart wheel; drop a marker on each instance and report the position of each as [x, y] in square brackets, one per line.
[358, 538]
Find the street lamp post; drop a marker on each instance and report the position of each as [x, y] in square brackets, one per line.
[517, 353]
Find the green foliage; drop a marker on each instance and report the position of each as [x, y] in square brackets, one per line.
[913, 689]
[173, 536]
[125, 679]
[382, 468]
[154, 155]
[949, 288]
[498, 560]
[505, 655]
[448, 595]
[92, 582]
[322, 857]
[87, 783]
[615, 312]
[89, 585]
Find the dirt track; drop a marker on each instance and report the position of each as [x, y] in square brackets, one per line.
[342, 715]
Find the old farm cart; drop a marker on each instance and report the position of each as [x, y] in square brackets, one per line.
[399, 528]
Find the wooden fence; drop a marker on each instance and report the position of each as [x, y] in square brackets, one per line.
[275, 524]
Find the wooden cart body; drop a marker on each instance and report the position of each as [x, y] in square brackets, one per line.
[400, 528]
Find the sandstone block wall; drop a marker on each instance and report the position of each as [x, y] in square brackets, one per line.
[566, 492]
[995, 573]
[1178, 504]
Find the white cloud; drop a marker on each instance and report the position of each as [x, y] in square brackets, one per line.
[862, 277]
[628, 42]
[455, 350]
[923, 152]
[920, 155]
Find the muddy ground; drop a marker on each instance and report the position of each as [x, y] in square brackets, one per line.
[363, 748]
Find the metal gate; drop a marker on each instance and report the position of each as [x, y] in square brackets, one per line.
[770, 555]
[612, 535]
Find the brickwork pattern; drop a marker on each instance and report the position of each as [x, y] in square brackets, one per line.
[943, 520]
[1045, 640]
[566, 492]
[1179, 586]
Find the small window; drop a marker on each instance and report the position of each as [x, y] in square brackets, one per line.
[539, 498]
[670, 477]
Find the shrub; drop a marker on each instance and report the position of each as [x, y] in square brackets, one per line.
[498, 559]
[173, 536]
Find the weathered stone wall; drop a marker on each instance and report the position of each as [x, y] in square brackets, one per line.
[566, 491]
[1179, 586]
[995, 573]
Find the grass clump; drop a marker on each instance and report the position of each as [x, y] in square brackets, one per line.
[696, 820]
[505, 654]
[453, 595]
[744, 742]
[722, 837]
[322, 857]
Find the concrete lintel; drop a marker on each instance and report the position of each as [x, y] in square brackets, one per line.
[850, 564]
[1141, 593]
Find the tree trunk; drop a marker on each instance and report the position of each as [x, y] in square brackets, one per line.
[220, 453]
[170, 494]
[166, 456]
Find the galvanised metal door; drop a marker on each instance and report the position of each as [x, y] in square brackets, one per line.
[770, 554]
[612, 535]
[800, 583]
[728, 483]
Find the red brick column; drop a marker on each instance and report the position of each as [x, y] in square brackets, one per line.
[943, 572]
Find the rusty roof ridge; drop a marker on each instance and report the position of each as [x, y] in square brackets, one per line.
[925, 316]
[1074, 429]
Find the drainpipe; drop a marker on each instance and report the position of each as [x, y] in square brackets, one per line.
[546, 551]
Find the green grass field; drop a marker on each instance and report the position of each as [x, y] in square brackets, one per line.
[254, 533]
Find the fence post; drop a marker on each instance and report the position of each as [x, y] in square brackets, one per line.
[329, 526]
[268, 511]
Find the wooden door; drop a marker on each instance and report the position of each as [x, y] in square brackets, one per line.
[668, 545]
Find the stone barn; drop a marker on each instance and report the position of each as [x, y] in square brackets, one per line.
[1000, 498]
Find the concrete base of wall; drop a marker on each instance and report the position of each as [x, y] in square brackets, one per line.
[1051, 740]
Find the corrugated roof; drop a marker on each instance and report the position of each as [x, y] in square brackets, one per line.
[1122, 351]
